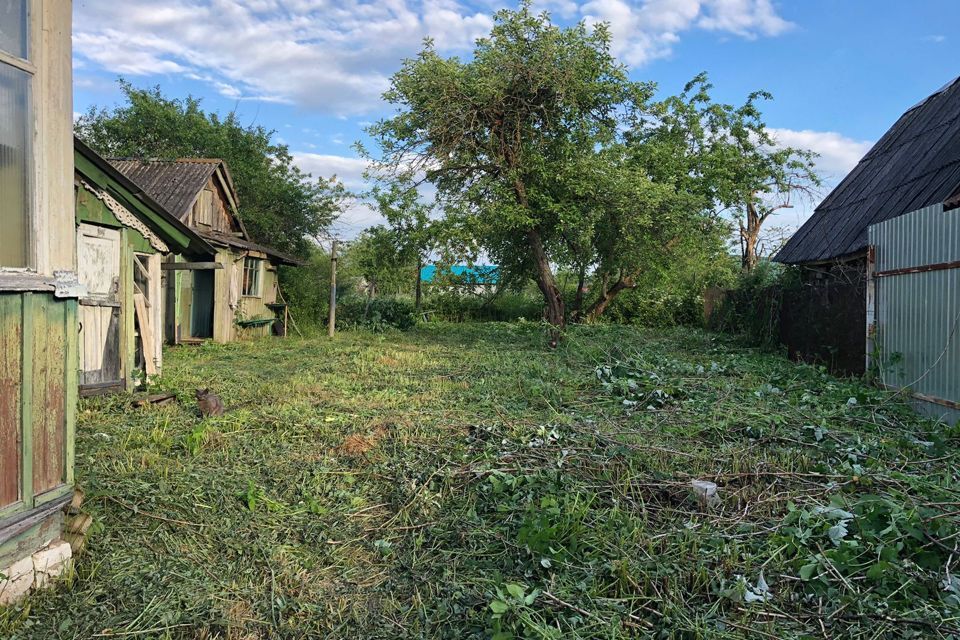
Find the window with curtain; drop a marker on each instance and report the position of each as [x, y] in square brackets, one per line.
[15, 137]
[251, 276]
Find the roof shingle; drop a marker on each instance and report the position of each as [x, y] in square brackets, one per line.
[914, 165]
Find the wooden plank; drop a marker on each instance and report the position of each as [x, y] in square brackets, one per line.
[49, 401]
[190, 266]
[71, 384]
[27, 391]
[18, 281]
[11, 355]
[146, 334]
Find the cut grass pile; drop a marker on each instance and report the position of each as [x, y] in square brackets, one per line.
[461, 481]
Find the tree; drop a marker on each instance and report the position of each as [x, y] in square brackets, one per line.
[725, 156]
[493, 134]
[377, 258]
[281, 205]
[409, 218]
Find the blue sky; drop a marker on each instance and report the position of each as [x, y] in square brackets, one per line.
[841, 71]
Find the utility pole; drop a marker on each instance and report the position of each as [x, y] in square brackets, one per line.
[333, 289]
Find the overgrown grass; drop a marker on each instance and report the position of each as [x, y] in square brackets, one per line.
[464, 482]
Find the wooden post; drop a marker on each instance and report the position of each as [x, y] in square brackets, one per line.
[333, 289]
[871, 337]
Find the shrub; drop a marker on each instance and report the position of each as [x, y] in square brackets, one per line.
[752, 307]
[377, 314]
[505, 307]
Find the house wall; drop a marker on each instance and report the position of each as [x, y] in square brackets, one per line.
[916, 308]
[210, 211]
[91, 210]
[230, 305]
[38, 313]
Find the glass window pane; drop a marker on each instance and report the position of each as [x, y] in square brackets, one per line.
[13, 27]
[14, 165]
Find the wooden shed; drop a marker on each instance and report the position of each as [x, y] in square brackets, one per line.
[38, 292]
[235, 297]
[122, 237]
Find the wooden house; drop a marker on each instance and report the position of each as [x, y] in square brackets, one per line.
[235, 296]
[122, 237]
[38, 292]
[915, 165]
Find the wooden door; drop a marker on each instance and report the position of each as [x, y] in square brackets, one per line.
[98, 266]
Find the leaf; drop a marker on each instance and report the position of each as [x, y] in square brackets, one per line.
[838, 532]
[515, 590]
[499, 607]
[807, 571]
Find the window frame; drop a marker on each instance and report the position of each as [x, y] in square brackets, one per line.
[257, 290]
[26, 66]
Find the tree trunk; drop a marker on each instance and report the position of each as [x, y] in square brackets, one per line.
[554, 311]
[750, 234]
[419, 292]
[578, 299]
[597, 308]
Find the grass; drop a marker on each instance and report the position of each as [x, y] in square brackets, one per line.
[460, 481]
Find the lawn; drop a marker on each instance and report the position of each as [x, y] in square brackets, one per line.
[462, 481]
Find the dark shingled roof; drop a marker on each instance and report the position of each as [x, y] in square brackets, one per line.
[172, 183]
[232, 241]
[914, 165]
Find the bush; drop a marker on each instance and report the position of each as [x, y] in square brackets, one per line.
[378, 314]
[505, 307]
[752, 307]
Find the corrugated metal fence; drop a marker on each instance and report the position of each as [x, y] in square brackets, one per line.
[915, 342]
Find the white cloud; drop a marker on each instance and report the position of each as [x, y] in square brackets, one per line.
[321, 56]
[838, 153]
[336, 56]
[647, 30]
[348, 169]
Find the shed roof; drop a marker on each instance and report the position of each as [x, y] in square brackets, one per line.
[233, 241]
[914, 165]
[173, 183]
[105, 176]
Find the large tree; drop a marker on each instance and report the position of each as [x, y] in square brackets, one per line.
[725, 156]
[281, 205]
[494, 133]
[415, 234]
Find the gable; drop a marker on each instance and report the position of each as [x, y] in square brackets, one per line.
[211, 210]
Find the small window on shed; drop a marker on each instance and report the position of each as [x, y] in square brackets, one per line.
[252, 276]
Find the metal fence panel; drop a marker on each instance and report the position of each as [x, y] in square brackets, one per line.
[917, 307]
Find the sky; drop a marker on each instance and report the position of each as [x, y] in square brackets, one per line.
[841, 71]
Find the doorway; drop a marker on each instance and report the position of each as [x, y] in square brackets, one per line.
[201, 321]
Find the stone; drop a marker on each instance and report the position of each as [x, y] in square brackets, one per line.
[51, 562]
[19, 581]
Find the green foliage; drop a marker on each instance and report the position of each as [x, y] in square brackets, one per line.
[504, 307]
[380, 262]
[752, 307]
[376, 314]
[280, 205]
[307, 287]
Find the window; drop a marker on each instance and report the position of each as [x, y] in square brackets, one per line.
[252, 269]
[15, 134]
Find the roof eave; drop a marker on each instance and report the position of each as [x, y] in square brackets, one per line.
[195, 245]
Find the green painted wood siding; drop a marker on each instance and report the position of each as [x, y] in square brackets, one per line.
[38, 376]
